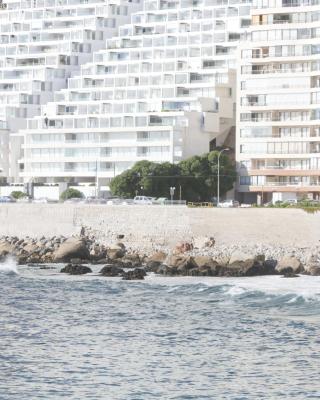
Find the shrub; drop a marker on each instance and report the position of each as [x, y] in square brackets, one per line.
[71, 194]
[17, 194]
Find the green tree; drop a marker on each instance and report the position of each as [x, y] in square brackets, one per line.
[161, 177]
[126, 184]
[196, 175]
[71, 193]
[146, 177]
[18, 194]
[201, 176]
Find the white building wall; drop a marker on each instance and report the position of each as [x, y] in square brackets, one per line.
[278, 121]
[42, 44]
[162, 91]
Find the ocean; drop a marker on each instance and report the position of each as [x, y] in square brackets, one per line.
[90, 337]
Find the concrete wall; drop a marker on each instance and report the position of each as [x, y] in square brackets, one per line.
[164, 225]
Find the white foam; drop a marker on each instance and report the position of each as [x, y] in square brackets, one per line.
[9, 266]
[304, 285]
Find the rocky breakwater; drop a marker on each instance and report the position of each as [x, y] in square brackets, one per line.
[186, 259]
[74, 252]
[48, 250]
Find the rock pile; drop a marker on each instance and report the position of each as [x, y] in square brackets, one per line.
[237, 265]
[205, 259]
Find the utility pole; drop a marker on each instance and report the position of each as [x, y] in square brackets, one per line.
[218, 183]
[172, 189]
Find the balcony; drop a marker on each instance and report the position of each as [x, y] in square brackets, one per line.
[278, 171]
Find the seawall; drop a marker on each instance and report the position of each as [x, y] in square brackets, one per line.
[147, 226]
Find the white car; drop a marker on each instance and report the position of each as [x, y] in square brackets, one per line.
[41, 200]
[229, 204]
[142, 200]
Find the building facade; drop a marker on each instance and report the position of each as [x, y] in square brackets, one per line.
[278, 118]
[42, 44]
[162, 90]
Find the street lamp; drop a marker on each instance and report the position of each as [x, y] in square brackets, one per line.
[218, 183]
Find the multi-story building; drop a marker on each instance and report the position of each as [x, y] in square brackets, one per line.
[278, 119]
[162, 90]
[42, 44]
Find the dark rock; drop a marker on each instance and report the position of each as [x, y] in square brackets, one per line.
[22, 260]
[102, 261]
[134, 259]
[115, 252]
[269, 266]
[242, 264]
[290, 275]
[111, 270]
[153, 262]
[136, 274]
[75, 269]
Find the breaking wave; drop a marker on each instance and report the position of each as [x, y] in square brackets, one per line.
[9, 267]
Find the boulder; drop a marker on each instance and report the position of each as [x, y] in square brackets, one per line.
[111, 270]
[158, 257]
[154, 261]
[116, 251]
[165, 270]
[102, 261]
[243, 264]
[75, 269]
[136, 274]
[205, 262]
[6, 248]
[71, 248]
[31, 248]
[181, 264]
[203, 242]
[289, 264]
[132, 260]
[183, 247]
[312, 266]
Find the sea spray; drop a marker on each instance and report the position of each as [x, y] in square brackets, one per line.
[9, 266]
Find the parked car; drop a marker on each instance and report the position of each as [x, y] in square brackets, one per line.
[291, 201]
[41, 200]
[95, 200]
[142, 200]
[74, 200]
[160, 200]
[7, 199]
[229, 204]
[24, 200]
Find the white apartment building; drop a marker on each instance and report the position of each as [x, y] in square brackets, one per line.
[42, 44]
[162, 90]
[278, 119]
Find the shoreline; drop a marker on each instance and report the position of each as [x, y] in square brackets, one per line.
[198, 258]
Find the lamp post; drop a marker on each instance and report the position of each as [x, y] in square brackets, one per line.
[96, 191]
[218, 183]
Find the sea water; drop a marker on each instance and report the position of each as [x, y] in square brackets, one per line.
[89, 337]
